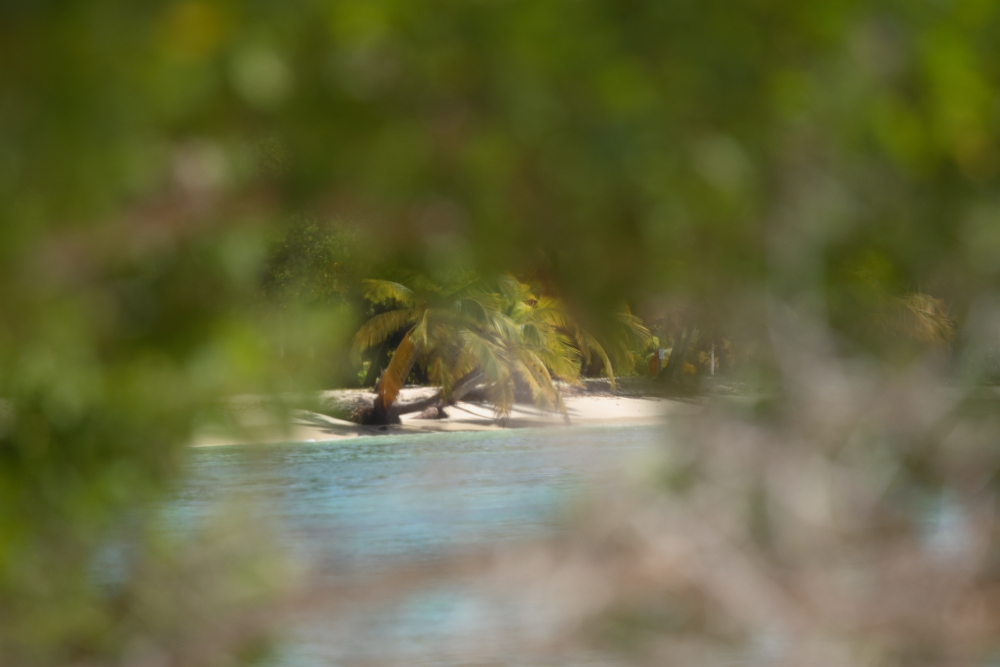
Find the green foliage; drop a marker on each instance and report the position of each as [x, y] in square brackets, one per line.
[497, 328]
[314, 263]
[708, 149]
[105, 371]
[470, 330]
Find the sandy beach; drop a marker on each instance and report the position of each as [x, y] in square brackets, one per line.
[252, 423]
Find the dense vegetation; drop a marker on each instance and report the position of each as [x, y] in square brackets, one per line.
[472, 332]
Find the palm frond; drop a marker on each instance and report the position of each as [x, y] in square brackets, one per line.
[925, 318]
[632, 326]
[593, 345]
[387, 292]
[562, 358]
[420, 332]
[439, 374]
[502, 394]
[917, 316]
[380, 327]
[533, 371]
[502, 326]
[528, 374]
[474, 309]
[464, 361]
[532, 335]
[426, 288]
[490, 356]
[550, 311]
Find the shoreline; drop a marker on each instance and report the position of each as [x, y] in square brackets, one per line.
[252, 423]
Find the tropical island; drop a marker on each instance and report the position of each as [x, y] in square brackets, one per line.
[475, 354]
[468, 353]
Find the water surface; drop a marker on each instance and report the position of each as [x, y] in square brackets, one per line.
[362, 505]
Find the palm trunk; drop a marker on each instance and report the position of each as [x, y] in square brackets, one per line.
[378, 363]
[391, 414]
[675, 365]
[419, 405]
[465, 385]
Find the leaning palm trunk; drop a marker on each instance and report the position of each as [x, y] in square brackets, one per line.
[390, 414]
[393, 379]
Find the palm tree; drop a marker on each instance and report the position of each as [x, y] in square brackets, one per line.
[537, 348]
[562, 340]
[615, 347]
[443, 326]
[495, 334]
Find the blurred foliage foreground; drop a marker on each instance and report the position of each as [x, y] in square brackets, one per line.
[792, 174]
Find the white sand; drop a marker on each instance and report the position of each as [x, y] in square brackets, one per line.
[258, 426]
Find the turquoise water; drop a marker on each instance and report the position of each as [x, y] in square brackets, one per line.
[355, 508]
